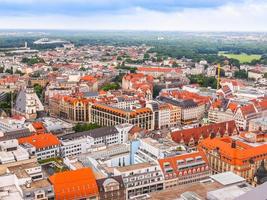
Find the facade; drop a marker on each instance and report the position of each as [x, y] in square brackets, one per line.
[184, 169]
[105, 115]
[141, 179]
[12, 152]
[189, 109]
[258, 124]
[238, 156]
[193, 136]
[27, 104]
[221, 111]
[44, 145]
[158, 71]
[79, 184]
[77, 143]
[255, 109]
[111, 188]
[70, 108]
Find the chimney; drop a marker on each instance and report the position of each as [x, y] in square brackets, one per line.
[233, 144]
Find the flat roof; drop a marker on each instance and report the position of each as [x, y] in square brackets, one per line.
[199, 188]
[230, 192]
[227, 178]
[134, 167]
[258, 193]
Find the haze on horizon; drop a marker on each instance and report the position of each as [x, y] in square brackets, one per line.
[155, 15]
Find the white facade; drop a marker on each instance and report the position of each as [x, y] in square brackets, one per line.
[141, 179]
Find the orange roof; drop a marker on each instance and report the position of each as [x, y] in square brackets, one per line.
[185, 95]
[159, 69]
[77, 184]
[88, 78]
[42, 140]
[38, 126]
[171, 162]
[235, 156]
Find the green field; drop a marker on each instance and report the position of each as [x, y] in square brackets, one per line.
[243, 58]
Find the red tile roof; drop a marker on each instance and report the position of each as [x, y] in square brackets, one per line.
[204, 131]
[77, 184]
[171, 163]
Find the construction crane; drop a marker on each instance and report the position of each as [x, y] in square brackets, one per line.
[218, 76]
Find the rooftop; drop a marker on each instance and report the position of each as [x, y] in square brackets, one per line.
[134, 167]
[80, 183]
[227, 178]
[40, 140]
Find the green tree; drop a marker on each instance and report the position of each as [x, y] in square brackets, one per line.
[242, 74]
[85, 127]
[39, 90]
[265, 75]
[111, 86]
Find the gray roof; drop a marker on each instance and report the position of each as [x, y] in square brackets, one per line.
[20, 103]
[16, 134]
[180, 103]
[96, 133]
[258, 193]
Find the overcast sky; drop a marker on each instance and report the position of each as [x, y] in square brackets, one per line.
[171, 15]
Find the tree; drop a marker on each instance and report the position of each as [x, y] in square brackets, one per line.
[203, 81]
[111, 86]
[85, 127]
[175, 64]
[265, 75]
[39, 90]
[242, 74]
[2, 69]
[10, 71]
[146, 56]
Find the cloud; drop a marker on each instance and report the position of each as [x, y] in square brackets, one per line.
[137, 15]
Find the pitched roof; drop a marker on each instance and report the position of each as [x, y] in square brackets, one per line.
[77, 184]
[196, 162]
[42, 140]
[204, 131]
[237, 155]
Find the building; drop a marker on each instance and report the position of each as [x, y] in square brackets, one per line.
[193, 136]
[191, 110]
[12, 152]
[141, 179]
[27, 104]
[79, 184]
[24, 180]
[105, 115]
[165, 115]
[77, 143]
[255, 74]
[252, 110]
[258, 124]
[233, 187]
[139, 83]
[73, 109]
[184, 169]
[221, 110]
[44, 145]
[242, 157]
[150, 150]
[111, 188]
[158, 71]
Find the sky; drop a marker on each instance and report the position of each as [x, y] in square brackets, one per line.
[154, 15]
